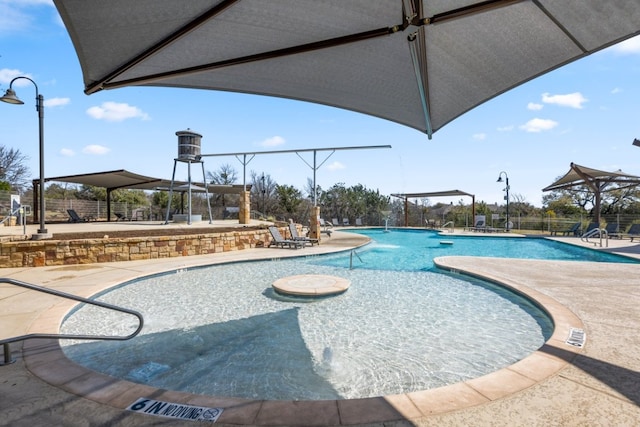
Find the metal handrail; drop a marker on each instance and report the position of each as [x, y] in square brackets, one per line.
[5, 342]
[351, 259]
[451, 230]
[600, 231]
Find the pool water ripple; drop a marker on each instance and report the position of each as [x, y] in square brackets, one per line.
[221, 330]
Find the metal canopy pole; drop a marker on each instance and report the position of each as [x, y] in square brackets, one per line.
[245, 162]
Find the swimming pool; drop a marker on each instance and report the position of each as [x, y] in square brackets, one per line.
[221, 330]
[407, 249]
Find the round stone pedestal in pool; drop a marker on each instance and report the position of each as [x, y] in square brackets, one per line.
[310, 285]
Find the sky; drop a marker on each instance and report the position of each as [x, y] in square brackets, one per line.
[586, 112]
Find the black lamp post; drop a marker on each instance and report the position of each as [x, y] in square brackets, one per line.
[264, 193]
[11, 98]
[506, 189]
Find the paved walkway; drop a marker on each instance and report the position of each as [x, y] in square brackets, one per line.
[558, 385]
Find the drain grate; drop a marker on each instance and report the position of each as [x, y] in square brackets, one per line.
[577, 337]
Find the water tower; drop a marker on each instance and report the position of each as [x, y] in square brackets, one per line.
[188, 152]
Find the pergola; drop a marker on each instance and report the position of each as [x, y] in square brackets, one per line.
[449, 193]
[596, 180]
[123, 179]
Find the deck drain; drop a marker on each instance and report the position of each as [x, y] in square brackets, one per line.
[577, 337]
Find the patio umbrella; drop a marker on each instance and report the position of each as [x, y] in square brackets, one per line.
[418, 63]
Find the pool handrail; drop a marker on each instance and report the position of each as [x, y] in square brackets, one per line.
[601, 232]
[5, 342]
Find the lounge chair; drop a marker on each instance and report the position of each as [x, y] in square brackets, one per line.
[613, 230]
[298, 238]
[335, 222]
[345, 221]
[479, 226]
[634, 232]
[589, 231]
[325, 227]
[358, 222]
[120, 217]
[281, 242]
[574, 230]
[74, 217]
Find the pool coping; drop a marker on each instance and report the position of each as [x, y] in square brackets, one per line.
[45, 359]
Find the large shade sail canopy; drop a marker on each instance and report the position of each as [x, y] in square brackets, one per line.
[582, 178]
[420, 63]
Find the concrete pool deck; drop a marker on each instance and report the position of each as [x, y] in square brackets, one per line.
[557, 385]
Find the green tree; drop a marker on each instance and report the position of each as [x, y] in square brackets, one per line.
[289, 199]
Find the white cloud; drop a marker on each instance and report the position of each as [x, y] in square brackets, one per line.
[56, 102]
[616, 90]
[336, 166]
[274, 141]
[508, 128]
[479, 136]
[539, 125]
[67, 152]
[573, 100]
[116, 112]
[7, 74]
[629, 46]
[95, 149]
[12, 17]
[533, 106]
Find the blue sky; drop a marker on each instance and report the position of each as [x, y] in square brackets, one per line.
[586, 112]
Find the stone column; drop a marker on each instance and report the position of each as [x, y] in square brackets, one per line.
[314, 223]
[244, 215]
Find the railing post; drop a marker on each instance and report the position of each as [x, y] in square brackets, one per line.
[7, 354]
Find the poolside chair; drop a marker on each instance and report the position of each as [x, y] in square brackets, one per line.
[345, 221]
[574, 230]
[479, 226]
[74, 217]
[358, 222]
[298, 238]
[280, 242]
[120, 217]
[591, 230]
[335, 222]
[325, 227]
[634, 232]
[613, 230]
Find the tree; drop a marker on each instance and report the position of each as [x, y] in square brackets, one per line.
[13, 169]
[226, 175]
[262, 192]
[289, 199]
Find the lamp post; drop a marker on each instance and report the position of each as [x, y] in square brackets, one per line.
[264, 193]
[11, 98]
[506, 189]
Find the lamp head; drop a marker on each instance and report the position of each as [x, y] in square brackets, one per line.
[499, 178]
[11, 98]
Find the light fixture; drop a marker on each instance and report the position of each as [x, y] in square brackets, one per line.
[10, 97]
[506, 189]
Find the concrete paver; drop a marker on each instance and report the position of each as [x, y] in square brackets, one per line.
[557, 385]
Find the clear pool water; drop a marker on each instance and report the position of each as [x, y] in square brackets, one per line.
[402, 249]
[402, 326]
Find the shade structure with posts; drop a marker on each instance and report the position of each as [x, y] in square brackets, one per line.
[11, 98]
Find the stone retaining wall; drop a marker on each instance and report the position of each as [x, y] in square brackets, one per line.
[38, 253]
